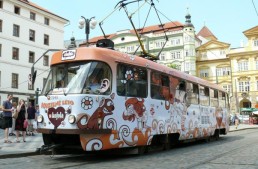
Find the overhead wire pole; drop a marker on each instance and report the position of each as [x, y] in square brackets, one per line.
[101, 22]
[145, 54]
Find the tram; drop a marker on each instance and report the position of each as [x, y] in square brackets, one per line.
[102, 99]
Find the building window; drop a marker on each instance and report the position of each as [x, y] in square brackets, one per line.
[255, 43]
[31, 57]
[189, 66]
[204, 55]
[227, 88]
[225, 71]
[178, 42]
[173, 41]
[1, 25]
[243, 65]
[17, 10]
[1, 4]
[130, 48]
[46, 21]
[16, 30]
[32, 35]
[222, 52]
[244, 86]
[32, 16]
[178, 55]
[15, 80]
[256, 64]
[45, 60]
[15, 53]
[46, 39]
[204, 73]
[162, 56]
[172, 55]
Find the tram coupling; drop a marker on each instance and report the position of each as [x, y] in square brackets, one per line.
[46, 148]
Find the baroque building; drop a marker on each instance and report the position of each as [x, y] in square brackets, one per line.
[178, 51]
[235, 69]
[26, 32]
[244, 66]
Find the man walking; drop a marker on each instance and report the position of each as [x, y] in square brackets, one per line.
[7, 111]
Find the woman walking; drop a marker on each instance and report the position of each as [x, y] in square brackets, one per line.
[20, 121]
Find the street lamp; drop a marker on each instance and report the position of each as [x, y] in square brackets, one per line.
[87, 23]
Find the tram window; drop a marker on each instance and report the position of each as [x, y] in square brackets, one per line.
[180, 95]
[131, 81]
[99, 79]
[214, 97]
[159, 86]
[192, 93]
[181, 86]
[222, 99]
[156, 86]
[204, 96]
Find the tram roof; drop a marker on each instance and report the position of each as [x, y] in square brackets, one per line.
[107, 55]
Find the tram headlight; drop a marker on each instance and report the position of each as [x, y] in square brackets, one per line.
[71, 119]
[40, 119]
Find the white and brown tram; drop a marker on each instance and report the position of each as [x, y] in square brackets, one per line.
[134, 103]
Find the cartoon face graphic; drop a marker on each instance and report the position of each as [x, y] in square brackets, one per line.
[135, 108]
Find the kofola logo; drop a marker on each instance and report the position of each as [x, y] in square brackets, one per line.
[56, 116]
[68, 54]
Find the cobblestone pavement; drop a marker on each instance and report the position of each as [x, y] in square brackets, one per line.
[34, 142]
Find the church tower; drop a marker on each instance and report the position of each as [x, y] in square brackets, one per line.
[189, 65]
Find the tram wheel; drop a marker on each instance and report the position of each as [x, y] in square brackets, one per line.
[142, 150]
[216, 135]
[47, 139]
[208, 139]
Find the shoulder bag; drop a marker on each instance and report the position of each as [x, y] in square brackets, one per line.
[15, 114]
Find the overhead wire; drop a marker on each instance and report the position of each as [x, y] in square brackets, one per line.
[255, 8]
[183, 30]
[26, 81]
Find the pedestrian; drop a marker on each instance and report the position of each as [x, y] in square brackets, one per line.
[37, 114]
[7, 112]
[11, 130]
[31, 118]
[236, 121]
[19, 122]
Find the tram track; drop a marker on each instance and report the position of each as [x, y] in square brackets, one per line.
[225, 154]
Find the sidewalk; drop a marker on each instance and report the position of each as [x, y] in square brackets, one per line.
[22, 148]
[32, 143]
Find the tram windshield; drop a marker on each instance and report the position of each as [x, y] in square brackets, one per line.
[80, 77]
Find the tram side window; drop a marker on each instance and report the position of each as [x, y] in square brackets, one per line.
[192, 93]
[156, 86]
[204, 96]
[214, 97]
[222, 99]
[131, 81]
[180, 95]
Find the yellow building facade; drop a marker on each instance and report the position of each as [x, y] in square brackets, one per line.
[236, 70]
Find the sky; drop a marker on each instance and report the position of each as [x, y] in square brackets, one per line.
[227, 19]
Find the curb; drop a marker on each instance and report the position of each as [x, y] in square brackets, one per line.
[18, 155]
[242, 129]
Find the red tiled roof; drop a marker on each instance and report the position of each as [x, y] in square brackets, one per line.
[40, 8]
[206, 33]
[170, 26]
